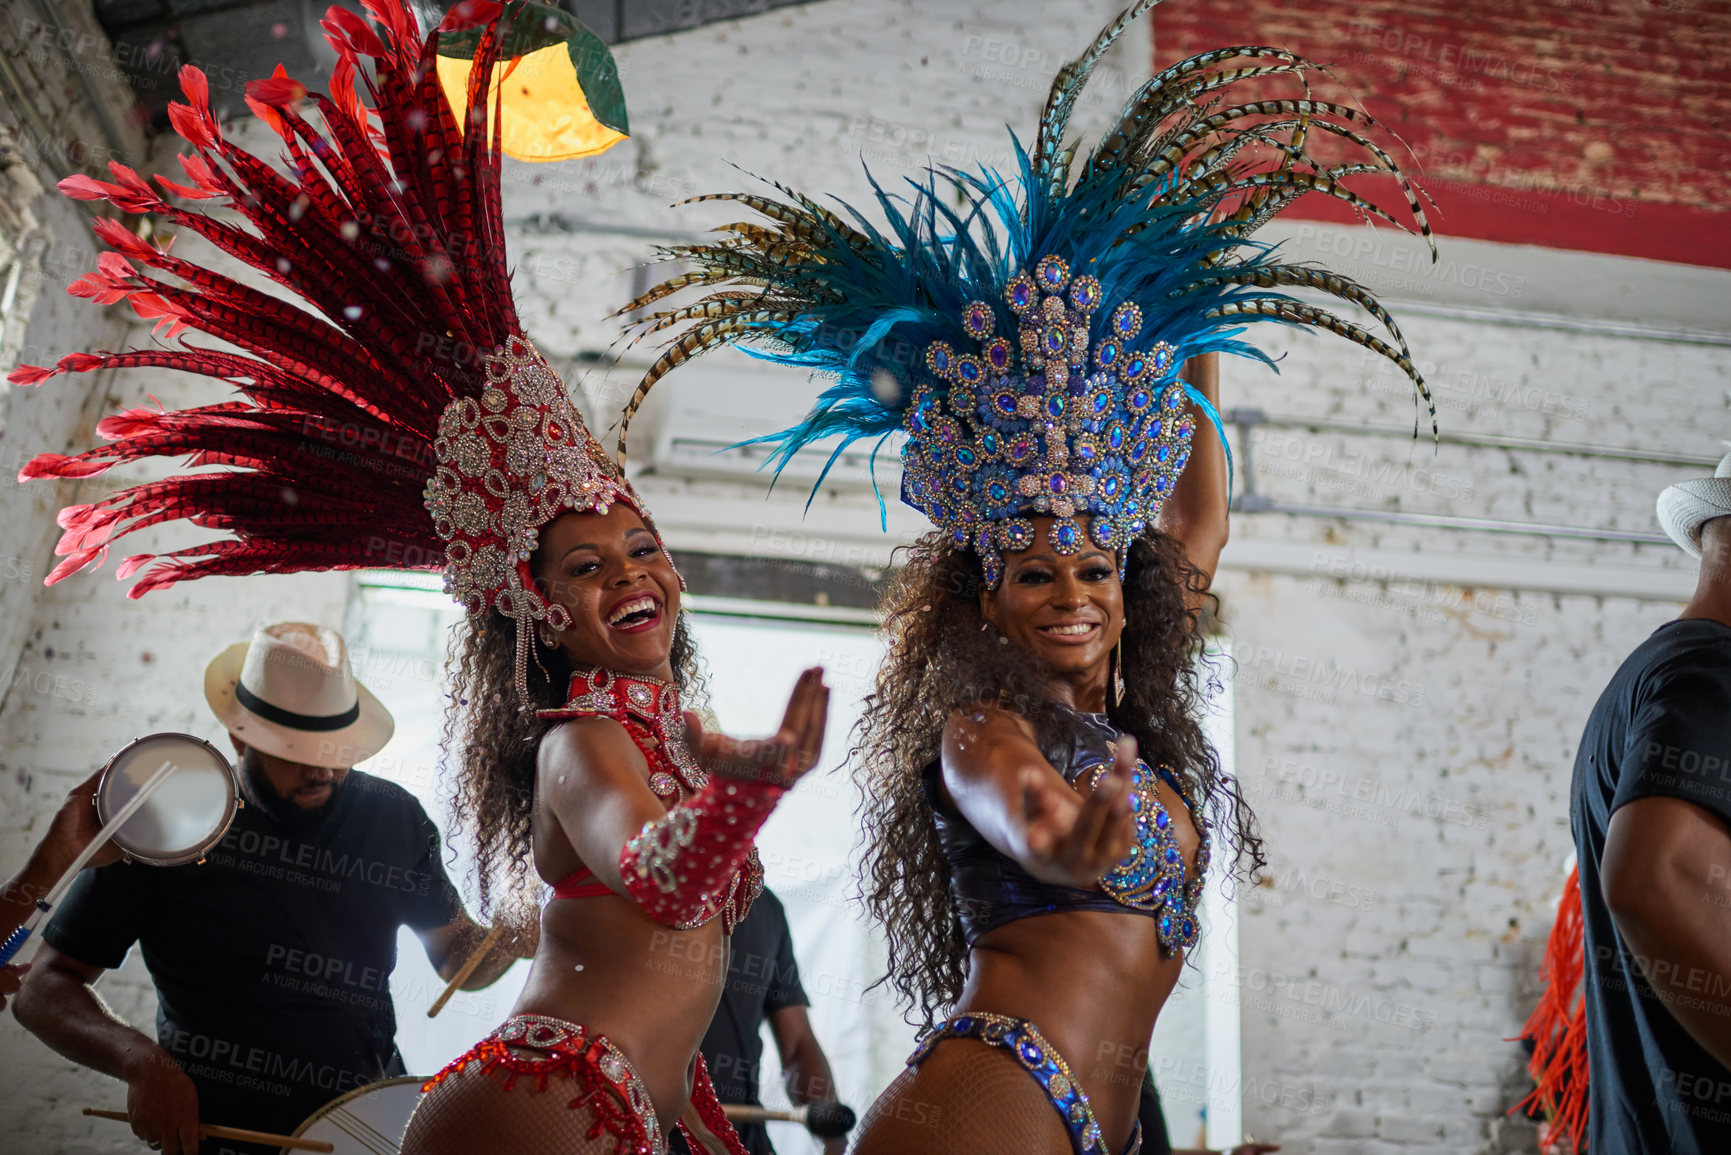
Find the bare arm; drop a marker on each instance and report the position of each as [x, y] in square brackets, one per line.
[672, 862]
[1665, 861]
[1196, 513]
[805, 1069]
[449, 947]
[596, 784]
[997, 777]
[60, 1006]
[73, 827]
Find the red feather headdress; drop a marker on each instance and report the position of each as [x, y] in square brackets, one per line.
[395, 416]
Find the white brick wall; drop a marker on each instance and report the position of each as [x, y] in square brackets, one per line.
[1416, 815]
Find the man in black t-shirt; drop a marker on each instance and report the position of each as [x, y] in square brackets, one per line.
[272, 958]
[763, 984]
[1651, 813]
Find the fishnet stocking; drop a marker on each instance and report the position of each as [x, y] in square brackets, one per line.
[536, 1086]
[966, 1098]
[471, 1113]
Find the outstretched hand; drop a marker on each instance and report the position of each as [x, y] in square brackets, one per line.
[1071, 839]
[781, 758]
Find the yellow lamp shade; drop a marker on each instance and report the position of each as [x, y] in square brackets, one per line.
[558, 96]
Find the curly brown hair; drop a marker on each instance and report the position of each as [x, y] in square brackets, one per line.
[493, 739]
[941, 657]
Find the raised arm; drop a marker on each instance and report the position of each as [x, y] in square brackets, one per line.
[995, 774]
[1666, 860]
[1196, 513]
[60, 1006]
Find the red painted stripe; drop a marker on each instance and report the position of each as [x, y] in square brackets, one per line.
[1685, 234]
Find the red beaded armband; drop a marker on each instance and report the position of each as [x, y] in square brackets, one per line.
[681, 868]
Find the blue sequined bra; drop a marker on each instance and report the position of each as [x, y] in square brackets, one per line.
[993, 890]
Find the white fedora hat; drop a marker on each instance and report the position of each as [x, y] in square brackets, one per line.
[290, 693]
[1685, 507]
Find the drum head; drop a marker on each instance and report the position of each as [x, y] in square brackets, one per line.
[186, 814]
[368, 1120]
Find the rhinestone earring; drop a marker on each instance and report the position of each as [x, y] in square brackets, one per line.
[1118, 672]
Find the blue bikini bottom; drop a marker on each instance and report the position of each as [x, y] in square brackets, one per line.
[1042, 1061]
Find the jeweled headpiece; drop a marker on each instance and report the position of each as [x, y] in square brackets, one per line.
[1026, 332]
[399, 420]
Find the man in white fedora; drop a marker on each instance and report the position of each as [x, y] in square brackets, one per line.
[272, 958]
[1651, 814]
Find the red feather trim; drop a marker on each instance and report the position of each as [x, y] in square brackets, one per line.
[1558, 1025]
[387, 225]
[350, 34]
[470, 14]
[277, 90]
[58, 465]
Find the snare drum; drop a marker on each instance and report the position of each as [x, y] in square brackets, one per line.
[368, 1120]
[189, 811]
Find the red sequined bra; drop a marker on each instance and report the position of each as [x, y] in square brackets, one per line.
[697, 861]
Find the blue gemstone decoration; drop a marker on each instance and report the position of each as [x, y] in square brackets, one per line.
[1053, 273]
[1057, 383]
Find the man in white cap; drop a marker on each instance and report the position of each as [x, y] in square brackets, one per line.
[272, 958]
[1651, 813]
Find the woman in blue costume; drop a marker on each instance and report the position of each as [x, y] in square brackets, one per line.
[1040, 798]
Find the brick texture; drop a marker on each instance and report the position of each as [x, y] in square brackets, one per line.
[1588, 125]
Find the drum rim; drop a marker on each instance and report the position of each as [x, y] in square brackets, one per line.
[204, 846]
[357, 1092]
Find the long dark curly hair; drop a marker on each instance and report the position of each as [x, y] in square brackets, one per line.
[491, 738]
[940, 659]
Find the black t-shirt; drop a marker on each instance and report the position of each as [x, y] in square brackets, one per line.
[272, 959]
[1661, 728]
[762, 976]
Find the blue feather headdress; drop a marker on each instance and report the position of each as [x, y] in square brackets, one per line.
[1026, 332]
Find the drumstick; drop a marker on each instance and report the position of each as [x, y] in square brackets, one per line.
[750, 1113]
[467, 969]
[15, 941]
[213, 1131]
[825, 1118]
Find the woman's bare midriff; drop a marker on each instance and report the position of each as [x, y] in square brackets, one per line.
[604, 964]
[1093, 982]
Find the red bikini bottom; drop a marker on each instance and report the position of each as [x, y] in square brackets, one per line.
[611, 1091]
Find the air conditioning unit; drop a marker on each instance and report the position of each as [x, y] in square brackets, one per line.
[709, 411]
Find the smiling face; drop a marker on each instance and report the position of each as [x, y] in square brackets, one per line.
[622, 593]
[1067, 610]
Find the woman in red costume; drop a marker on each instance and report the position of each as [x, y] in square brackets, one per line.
[401, 418]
